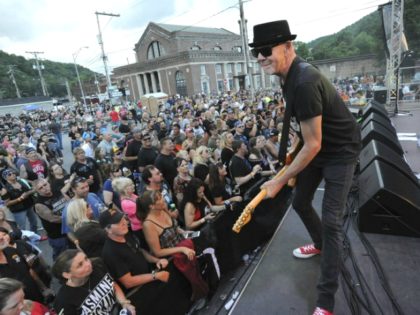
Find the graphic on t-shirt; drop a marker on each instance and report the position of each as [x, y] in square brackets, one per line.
[101, 299]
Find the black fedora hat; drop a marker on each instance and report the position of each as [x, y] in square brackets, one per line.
[271, 33]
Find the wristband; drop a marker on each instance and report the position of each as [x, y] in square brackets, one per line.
[154, 274]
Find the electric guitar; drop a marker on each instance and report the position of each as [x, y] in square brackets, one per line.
[246, 214]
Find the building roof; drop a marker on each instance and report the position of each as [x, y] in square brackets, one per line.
[194, 29]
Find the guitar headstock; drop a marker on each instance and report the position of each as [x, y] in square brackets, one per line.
[243, 219]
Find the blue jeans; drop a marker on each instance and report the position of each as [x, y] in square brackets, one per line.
[58, 245]
[327, 234]
[59, 138]
[20, 218]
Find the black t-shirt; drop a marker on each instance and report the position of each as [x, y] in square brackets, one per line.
[56, 203]
[146, 156]
[239, 168]
[133, 148]
[223, 191]
[14, 193]
[90, 168]
[17, 268]
[311, 95]
[121, 258]
[58, 183]
[231, 123]
[167, 165]
[226, 156]
[124, 128]
[96, 296]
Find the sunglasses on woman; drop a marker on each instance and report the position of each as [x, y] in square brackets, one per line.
[265, 51]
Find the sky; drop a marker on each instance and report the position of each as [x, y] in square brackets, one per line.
[63, 29]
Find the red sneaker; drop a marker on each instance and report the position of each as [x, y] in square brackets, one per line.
[306, 251]
[321, 311]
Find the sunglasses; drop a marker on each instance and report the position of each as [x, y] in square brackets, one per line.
[265, 51]
[78, 180]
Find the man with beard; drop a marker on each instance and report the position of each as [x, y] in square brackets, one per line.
[165, 161]
[86, 167]
[132, 149]
[147, 154]
[49, 207]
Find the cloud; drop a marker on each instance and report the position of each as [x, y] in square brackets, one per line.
[16, 21]
[141, 13]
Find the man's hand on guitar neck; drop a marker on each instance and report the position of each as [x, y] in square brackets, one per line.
[273, 187]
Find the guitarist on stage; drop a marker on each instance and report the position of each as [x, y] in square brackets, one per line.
[331, 144]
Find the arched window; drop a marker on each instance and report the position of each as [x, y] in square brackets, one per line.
[180, 83]
[155, 50]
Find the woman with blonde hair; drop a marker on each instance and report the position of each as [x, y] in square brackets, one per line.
[125, 188]
[78, 214]
[201, 161]
[226, 141]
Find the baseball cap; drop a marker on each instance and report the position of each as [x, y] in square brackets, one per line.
[109, 217]
[29, 150]
[274, 132]
[7, 172]
[238, 123]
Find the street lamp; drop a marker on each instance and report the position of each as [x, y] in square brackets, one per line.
[77, 73]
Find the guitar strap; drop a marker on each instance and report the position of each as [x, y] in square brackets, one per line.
[289, 94]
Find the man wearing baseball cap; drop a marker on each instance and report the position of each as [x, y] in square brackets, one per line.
[331, 146]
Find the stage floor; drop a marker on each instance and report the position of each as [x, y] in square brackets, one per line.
[282, 284]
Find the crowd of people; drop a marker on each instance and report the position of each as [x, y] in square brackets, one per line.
[119, 219]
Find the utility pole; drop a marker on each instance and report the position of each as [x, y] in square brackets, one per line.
[244, 35]
[97, 84]
[77, 74]
[69, 96]
[38, 67]
[101, 43]
[11, 72]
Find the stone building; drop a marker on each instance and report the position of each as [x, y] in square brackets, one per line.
[187, 60]
[349, 67]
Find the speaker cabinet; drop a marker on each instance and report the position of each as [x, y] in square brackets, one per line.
[389, 203]
[376, 150]
[380, 96]
[378, 118]
[374, 107]
[375, 131]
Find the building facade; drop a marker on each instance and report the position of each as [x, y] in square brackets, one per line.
[188, 60]
[185, 60]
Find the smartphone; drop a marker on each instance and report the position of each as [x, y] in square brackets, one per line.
[192, 234]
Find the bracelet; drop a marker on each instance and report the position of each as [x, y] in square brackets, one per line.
[154, 274]
[204, 221]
